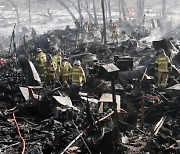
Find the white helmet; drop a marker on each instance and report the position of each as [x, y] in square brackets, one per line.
[77, 62]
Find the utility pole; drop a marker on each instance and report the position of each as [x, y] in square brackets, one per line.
[104, 23]
[164, 8]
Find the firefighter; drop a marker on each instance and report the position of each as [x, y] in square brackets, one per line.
[50, 69]
[2, 62]
[120, 21]
[85, 26]
[41, 60]
[91, 30]
[115, 34]
[65, 69]
[77, 74]
[163, 67]
[57, 58]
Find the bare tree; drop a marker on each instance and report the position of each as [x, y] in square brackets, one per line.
[88, 12]
[29, 6]
[15, 6]
[80, 14]
[50, 13]
[140, 8]
[95, 14]
[104, 23]
[164, 8]
[109, 9]
[70, 12]
[119, 2]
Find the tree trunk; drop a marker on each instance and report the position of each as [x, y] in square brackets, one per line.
[104, 23]
[17, 13]
[164, 8]
[90, 15]
[85, 8]
[119, 2]
[123, 9]
[105, 9]
[95, 14]
[109, 9]
[69, 11]
[29, 4]
[140, 9]
[80, 14]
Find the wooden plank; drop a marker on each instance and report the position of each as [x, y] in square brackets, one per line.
[107, 98]
[101, 108]
[159, 125]
[118, 101]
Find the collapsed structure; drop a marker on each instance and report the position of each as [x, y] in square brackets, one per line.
[119, 110]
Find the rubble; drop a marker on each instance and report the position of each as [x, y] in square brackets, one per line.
[119, 110]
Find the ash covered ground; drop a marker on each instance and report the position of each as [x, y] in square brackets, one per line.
[118, 111]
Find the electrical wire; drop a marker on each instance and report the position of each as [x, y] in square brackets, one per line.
[72, 142]
[150, 97]
[23, 142]
[84, 131]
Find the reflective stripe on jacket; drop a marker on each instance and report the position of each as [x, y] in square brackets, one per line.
[57, 60]
[50, 69]
[41, 59]
[162, 63]
[65, 69]
[77, 74]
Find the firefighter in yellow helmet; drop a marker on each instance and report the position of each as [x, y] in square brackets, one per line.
[57, 58]
[65, 70]
[163, 67]
[50, 69]
[77, 74]
[41, 60]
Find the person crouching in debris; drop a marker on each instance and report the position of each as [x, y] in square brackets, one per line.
[65, 69]
[77, 75]
[57, 58]
[41, 60]
[163, 67]
[50, 71]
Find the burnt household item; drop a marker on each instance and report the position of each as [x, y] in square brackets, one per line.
[131, 75]
[173, 91]
[31, 75]
[167, 45]
[123, 63]
[108, 71]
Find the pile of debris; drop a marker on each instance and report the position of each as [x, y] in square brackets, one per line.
[119, 109]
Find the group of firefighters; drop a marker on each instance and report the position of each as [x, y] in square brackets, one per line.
[58, 68]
